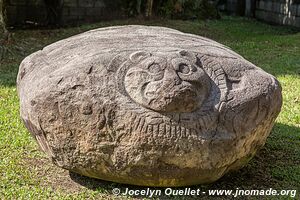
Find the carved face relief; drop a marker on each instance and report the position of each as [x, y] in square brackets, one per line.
[170, 82]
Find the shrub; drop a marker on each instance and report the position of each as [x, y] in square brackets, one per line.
[189, 9]
[175, 9]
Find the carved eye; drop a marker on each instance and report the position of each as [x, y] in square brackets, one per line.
[154, 68]
[194, 68]
[183, 68]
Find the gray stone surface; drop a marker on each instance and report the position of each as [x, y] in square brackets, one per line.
[146, 105]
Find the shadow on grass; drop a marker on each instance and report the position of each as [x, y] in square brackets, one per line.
[281, 150]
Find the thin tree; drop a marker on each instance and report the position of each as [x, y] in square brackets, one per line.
[3, 31]
[149, 8]
[4, 34]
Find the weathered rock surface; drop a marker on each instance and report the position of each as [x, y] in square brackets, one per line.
[146, 105]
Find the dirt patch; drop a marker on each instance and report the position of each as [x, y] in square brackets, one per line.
[53, 176]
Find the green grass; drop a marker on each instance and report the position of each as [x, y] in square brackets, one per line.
[26, 174]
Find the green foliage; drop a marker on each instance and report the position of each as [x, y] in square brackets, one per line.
[133, 7]
[188, 9]
[175, 9]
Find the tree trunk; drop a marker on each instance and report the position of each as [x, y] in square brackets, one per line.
[149, 8]
[138, 6]
[54, 12]
[2, 23]
[248, 8]
[3, 30]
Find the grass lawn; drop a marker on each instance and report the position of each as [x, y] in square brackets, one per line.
[25, 172]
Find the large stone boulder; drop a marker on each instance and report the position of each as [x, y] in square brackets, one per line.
[147, 106]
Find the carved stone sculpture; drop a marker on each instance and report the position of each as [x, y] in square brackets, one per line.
[146, 105]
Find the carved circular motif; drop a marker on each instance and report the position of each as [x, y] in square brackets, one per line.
[171, 82]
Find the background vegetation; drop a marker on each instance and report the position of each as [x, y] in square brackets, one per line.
[178, 9]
